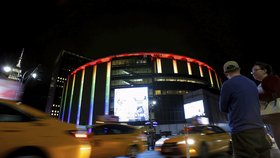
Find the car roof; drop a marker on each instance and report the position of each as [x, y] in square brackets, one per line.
[24, 108]
[111, 123]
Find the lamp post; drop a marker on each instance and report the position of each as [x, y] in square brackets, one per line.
[12, 73]
[151, 125]
[152, 106]
[17, 81]
[31, 73]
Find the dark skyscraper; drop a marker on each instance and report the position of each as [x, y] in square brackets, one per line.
[65, 63]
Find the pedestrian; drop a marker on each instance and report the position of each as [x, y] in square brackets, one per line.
[269, 89]
[239, 99]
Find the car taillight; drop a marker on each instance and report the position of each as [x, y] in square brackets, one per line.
[79, 134]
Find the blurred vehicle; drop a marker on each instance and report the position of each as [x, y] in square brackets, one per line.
[202, 140]
[28, 132]
[160, 141]
[113, 139]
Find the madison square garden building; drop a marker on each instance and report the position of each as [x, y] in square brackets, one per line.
[137, 87]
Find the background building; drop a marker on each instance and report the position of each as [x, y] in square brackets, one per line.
[65, 63]
[123, 84]
[203, 103]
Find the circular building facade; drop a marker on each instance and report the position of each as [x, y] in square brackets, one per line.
[137, 87]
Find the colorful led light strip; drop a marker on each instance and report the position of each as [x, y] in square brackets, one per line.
[71, 99]
[211, 78]
[175, 68]
[64, 100]
[159, 70]
[80, 98]
[155, 55]
[200, 71]
[107, 91]
[217, 80]
[92, 95]
[189, 68]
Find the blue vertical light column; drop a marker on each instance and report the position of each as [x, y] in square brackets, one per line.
[71, 98]
[64, 100]
[92, 96]
[80, 97]
[107, 91]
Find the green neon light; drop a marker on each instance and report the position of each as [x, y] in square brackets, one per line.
[80, 97]
[71, 98]
[64, 99]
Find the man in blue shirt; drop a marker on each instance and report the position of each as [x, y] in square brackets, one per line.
[239, 99]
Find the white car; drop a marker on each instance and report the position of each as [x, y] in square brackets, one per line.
[159, 142]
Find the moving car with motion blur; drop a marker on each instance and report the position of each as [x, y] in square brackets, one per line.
[202, 141]
[113, 139]
[28, 132]
[160, 141]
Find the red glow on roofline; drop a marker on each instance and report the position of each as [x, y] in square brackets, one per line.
[152, 54]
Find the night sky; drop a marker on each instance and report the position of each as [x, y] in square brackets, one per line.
[210, 31]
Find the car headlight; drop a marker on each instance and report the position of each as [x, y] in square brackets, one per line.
[189, 141]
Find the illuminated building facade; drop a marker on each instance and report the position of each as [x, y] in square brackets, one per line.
[102, 86]
[65, 63]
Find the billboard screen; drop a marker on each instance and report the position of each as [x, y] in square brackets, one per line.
[193, 109]
[131, 104]
[10, 90]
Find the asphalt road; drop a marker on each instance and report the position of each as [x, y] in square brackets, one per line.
[275, 153]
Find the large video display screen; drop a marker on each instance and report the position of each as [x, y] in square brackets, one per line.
[193, 109]
[131, 104]
[10, 90]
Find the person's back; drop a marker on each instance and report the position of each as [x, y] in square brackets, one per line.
[241, 97]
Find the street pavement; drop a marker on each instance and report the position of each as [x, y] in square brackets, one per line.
[275, 153]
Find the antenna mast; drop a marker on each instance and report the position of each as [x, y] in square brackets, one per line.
[20, 58]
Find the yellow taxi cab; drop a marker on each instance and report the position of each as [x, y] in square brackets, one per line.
[202, 140]
[28, 132]
[114, 139]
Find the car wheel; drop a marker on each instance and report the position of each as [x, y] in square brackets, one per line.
[132, 152]
[27, 154]
[203, 153]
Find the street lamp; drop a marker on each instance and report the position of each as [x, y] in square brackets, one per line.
[28, 74]
[152, 131]
[7, 69]
[152, 114]
[12, 73]
[31, 73]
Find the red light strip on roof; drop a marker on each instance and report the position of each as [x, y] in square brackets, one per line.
[152, 54]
